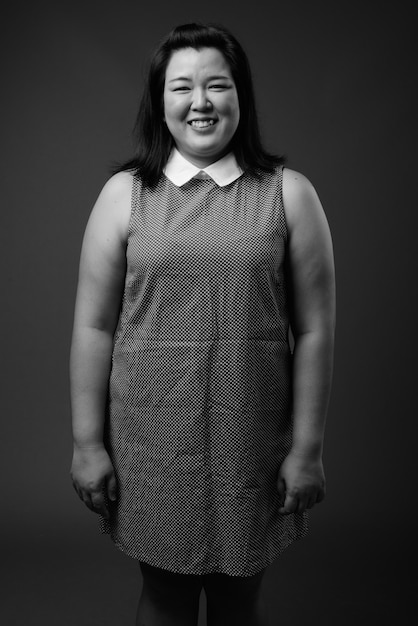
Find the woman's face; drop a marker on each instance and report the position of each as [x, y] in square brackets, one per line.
[201, 107]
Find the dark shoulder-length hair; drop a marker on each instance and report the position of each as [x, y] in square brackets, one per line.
[152, 139]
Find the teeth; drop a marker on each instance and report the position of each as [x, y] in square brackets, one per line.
[202, 123]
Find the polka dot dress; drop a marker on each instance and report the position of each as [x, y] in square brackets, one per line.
[199, 397]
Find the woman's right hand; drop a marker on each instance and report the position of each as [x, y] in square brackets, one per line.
[93, 475]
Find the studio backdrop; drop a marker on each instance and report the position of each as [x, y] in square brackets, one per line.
[335, 91]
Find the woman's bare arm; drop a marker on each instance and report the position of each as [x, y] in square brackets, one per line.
[100, 286]
[311, 277]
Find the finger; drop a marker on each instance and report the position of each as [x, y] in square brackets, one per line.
[87, 501]
[302, 505]
[98, 503]
[281, 489]
[112, 488]
[77, 490]
[290, 505]
[311, 502]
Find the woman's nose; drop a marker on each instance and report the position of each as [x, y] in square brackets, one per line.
[200, 100]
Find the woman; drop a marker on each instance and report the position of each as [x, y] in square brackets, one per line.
[198, 435]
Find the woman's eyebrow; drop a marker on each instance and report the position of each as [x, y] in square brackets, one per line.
[189, 79]
[179, 78]
[219, 77]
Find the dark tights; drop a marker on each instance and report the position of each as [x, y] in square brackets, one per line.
[170, 599]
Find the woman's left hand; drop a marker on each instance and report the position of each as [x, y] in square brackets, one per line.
[300, 483]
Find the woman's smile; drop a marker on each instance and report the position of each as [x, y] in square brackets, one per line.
[201, 124]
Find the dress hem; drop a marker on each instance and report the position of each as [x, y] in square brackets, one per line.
[214, 569]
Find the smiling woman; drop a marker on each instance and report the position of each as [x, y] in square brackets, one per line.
[198, 433]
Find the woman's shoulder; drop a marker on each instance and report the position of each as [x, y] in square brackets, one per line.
[118, 185]
[300, 199]
[113, 205]
[295, 183]
[116, 193]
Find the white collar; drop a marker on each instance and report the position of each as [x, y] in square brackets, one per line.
[223, 172]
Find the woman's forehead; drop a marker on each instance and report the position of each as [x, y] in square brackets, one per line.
[188, 61]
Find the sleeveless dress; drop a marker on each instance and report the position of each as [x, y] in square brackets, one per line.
[200, 414]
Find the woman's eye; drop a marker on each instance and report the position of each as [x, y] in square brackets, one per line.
[182, 88]
[219, 86]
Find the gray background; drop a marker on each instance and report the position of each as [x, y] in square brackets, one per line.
[334, 84]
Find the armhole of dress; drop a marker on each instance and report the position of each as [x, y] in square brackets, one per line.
[284, 231]
[135, 193]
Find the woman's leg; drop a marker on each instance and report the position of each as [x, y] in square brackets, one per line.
[168, 599]
[234, 600]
